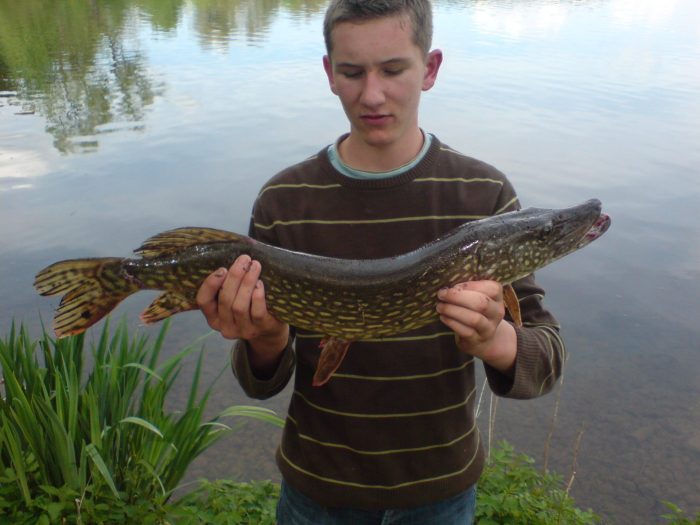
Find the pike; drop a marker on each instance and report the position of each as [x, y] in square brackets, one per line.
[344, 299]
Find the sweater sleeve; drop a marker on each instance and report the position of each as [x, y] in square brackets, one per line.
[252, 385]
[540, 352]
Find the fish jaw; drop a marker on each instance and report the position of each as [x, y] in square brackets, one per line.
[599, 227]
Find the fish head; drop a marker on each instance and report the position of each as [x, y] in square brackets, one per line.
[524, 241]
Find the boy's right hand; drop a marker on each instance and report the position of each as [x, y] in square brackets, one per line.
[233, 303]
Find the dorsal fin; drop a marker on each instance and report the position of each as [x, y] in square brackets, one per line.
[179, 238]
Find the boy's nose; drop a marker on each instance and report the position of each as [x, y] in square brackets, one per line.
[372, 92]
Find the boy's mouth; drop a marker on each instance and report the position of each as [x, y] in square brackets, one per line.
[375, 118]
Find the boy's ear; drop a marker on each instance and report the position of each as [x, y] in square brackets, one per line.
[432, 66]
[328, 67]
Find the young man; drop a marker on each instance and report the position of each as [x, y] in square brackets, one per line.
[392, 436]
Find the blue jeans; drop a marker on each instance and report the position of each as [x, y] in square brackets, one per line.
[294, 508]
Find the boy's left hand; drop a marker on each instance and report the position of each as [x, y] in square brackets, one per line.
[474, 311]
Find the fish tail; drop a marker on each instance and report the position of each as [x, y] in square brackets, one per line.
[92, 288]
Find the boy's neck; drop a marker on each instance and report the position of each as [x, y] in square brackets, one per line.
[367, 157]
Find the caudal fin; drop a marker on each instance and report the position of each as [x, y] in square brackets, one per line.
[92, 288]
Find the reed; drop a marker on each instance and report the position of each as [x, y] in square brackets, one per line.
[99, 445]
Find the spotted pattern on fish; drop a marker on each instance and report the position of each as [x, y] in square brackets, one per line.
[342, 298]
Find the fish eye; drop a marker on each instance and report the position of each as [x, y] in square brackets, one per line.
[546, 230]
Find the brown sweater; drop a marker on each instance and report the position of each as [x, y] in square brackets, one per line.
[395, 426]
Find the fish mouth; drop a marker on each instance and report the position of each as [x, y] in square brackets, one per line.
[597, 229]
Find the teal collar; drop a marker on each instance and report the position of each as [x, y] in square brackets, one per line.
[346, 170]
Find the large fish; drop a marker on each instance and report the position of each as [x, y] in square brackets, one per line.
[347, 300]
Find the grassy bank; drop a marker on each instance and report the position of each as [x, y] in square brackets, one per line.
[99, 446]
[511, 491]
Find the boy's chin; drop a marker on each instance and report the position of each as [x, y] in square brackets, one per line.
[378, 138]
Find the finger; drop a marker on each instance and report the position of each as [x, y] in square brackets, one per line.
[464, 317]
[461, 296]
[207, 295]
[492, 289]
[241, 304]
[229, 290]
[258, 305]
[463, 331]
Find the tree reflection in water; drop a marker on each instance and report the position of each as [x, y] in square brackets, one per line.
[80, 66]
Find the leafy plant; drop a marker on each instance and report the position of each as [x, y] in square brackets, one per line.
[102, 451]
[512, 491]
[676, 515]
[226, 502]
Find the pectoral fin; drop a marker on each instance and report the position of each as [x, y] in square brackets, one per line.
[332, 354]
[512, 304]
[165, 305]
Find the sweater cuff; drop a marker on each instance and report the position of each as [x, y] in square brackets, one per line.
[252, 385]
[525, 370]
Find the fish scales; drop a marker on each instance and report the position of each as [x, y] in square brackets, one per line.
[344, 299]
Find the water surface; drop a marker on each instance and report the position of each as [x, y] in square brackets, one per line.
[120, 120]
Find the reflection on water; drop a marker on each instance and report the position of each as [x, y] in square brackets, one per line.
[180, 110]
[75, 65]
[217, 21]
[80, 65]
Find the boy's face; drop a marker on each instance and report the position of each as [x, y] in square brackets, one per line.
[378, 73]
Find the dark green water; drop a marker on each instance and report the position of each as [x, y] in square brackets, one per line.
[121, 119]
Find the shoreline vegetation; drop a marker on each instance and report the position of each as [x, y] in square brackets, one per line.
[96, 444]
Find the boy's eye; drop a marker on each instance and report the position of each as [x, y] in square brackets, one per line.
[351, 73]
[393, 71]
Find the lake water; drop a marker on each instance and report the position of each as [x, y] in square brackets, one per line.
[122, 119]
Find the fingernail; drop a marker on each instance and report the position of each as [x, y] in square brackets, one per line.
[220, 272]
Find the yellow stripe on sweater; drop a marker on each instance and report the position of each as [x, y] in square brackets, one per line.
[383, 452]
[507, 205]
[391, 415]
[369, 221]
[383, 487]
[305, 185]
[300, 185]
[404, 378]
[458, 179]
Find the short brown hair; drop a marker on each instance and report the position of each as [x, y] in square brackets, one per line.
[419, 11]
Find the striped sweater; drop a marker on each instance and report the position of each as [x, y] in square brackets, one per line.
[395, 425]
